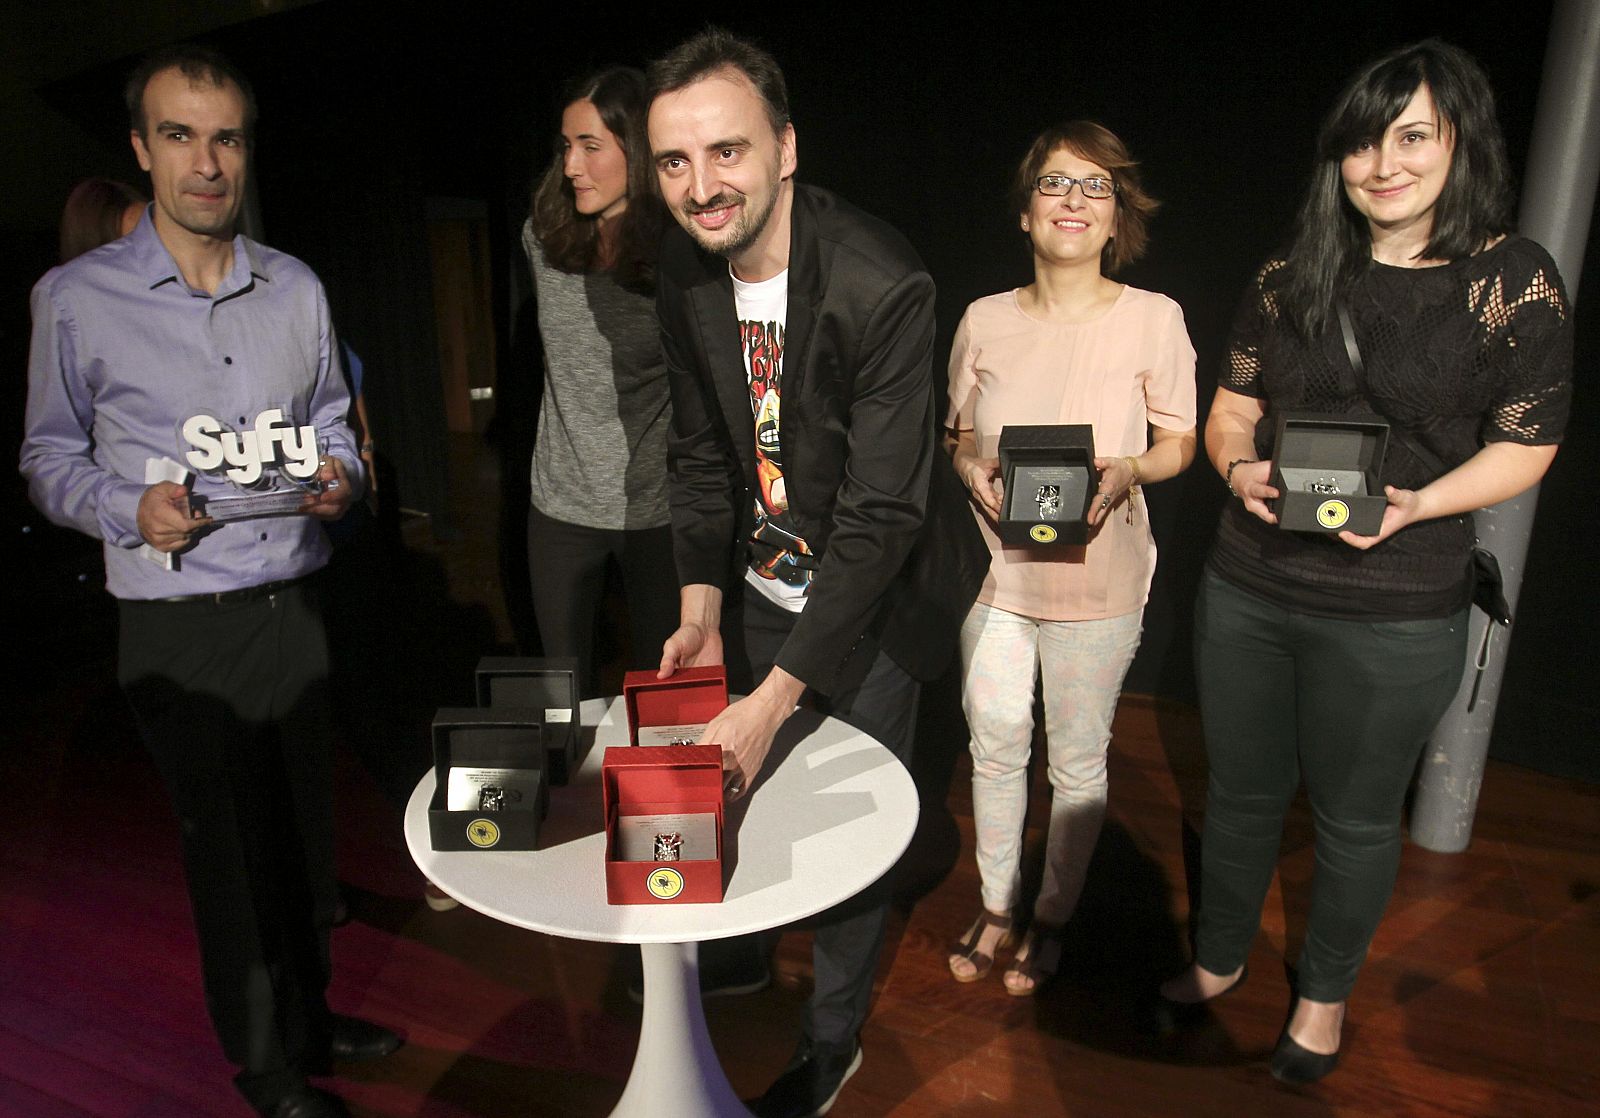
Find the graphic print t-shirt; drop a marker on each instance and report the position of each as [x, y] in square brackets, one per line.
[780, 562]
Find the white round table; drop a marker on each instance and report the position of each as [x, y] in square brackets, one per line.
[830, 813]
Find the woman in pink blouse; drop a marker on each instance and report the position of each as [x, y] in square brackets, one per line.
[1074, 346]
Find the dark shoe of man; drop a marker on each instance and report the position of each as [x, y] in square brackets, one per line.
[305, 1102]
[353, 1040]
[808, 1087]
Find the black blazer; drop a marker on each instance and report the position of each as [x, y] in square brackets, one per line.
[901, 559]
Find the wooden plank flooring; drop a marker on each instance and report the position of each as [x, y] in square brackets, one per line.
[1481, 997]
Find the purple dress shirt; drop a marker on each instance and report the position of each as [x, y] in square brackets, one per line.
[124, 353]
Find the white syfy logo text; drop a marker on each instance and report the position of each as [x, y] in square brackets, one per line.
[247, 452]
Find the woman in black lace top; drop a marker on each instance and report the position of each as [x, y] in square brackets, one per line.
[1332, 658]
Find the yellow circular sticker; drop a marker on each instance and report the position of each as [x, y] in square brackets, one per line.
[483, 833]
[1333, 514]
[665, 883]
[1043, 533]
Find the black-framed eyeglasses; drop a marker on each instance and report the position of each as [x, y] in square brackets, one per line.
[1059, 186]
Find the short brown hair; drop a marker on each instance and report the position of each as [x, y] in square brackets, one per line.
[1098, 144]
[201, 65]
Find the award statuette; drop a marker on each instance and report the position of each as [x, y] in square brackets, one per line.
[1048, 498]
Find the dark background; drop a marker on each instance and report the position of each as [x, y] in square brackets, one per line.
[373, 112]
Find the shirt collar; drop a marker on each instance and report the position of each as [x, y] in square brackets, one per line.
[157, 266]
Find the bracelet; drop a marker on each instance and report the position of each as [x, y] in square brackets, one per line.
[1227, 477]
[1133, 486]
[368, 447]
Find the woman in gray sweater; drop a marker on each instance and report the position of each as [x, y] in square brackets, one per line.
[599, 461]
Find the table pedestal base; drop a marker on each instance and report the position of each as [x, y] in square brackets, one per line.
[675, 1071]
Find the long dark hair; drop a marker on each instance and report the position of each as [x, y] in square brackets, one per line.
[1332, 245]
[571, 240]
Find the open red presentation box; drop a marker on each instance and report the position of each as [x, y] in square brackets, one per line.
[647, 790]
[663, 712]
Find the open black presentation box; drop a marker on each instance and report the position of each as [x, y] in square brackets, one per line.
[1327, 471]
[1049, 476]
[498, 755]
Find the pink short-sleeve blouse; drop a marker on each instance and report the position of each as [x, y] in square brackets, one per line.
[1131, 367]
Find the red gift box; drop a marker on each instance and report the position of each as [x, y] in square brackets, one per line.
[670, 779]
[692, 697]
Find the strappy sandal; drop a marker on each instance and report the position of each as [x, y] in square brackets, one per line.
[1036, 961]
[967, 948]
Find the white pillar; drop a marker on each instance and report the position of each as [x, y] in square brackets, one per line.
[1557, 201]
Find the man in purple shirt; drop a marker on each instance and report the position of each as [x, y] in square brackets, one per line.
[185, 351]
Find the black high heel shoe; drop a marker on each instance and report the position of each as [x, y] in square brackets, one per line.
[1296, 1065]
[1161, 1015]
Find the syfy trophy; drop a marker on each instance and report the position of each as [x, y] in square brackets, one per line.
[273, 465]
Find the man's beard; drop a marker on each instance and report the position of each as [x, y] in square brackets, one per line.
[740, 235]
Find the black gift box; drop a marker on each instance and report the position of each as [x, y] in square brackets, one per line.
[547, 684]
[502, 738]
[1327, 471]
[1049, 477]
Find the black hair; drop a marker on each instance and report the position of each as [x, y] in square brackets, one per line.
[199, 64]
[715, 49]
[1332, 244]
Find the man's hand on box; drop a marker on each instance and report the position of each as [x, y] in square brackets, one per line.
[746, 728]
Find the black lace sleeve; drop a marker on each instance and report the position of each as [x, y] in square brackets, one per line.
[1255, 320]
[1523, 308]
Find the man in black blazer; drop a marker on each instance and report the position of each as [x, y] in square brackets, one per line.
[808, 493]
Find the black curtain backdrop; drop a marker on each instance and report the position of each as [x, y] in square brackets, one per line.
[370, 108]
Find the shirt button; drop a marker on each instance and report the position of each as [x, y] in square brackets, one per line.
[227, 361]
[263, 537]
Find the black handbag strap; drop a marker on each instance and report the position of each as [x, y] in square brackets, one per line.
[1350, 347]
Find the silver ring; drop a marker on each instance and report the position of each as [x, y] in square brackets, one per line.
[735, 788]
[491, 797]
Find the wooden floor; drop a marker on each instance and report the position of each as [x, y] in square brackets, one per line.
[1481, 997]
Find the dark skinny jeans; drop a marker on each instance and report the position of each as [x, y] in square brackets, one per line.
[1348, 705]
